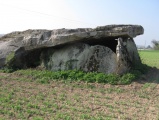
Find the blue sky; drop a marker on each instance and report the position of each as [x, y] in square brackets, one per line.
[18, 15]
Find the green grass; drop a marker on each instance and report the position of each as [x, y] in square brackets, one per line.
[45, 76]
[150, 57]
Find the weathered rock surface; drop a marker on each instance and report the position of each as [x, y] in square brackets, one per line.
[87, 49]
[80, 56]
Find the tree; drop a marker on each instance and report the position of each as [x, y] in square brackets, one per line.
[148, 47]
[155, 44]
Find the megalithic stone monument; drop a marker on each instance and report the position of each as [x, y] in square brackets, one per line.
[106, 49]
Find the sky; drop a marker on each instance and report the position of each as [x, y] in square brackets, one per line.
[19, 15]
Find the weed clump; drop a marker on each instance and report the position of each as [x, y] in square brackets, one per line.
[7, 70]
[45, 76]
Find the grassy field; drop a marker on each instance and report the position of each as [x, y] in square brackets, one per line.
[150, 57]
[23, 97]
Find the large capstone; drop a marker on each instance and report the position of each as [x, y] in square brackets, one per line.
[107, 49]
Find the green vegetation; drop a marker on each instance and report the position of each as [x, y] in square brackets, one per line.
[150, 57]
[45, 76]
[10, 57]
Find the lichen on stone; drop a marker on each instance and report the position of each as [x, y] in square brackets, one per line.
[10, 57]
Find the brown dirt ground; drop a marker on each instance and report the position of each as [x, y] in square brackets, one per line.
[137, 101]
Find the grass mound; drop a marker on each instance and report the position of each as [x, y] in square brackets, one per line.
[45, 76]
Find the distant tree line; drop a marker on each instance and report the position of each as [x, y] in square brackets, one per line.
[155, 44]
